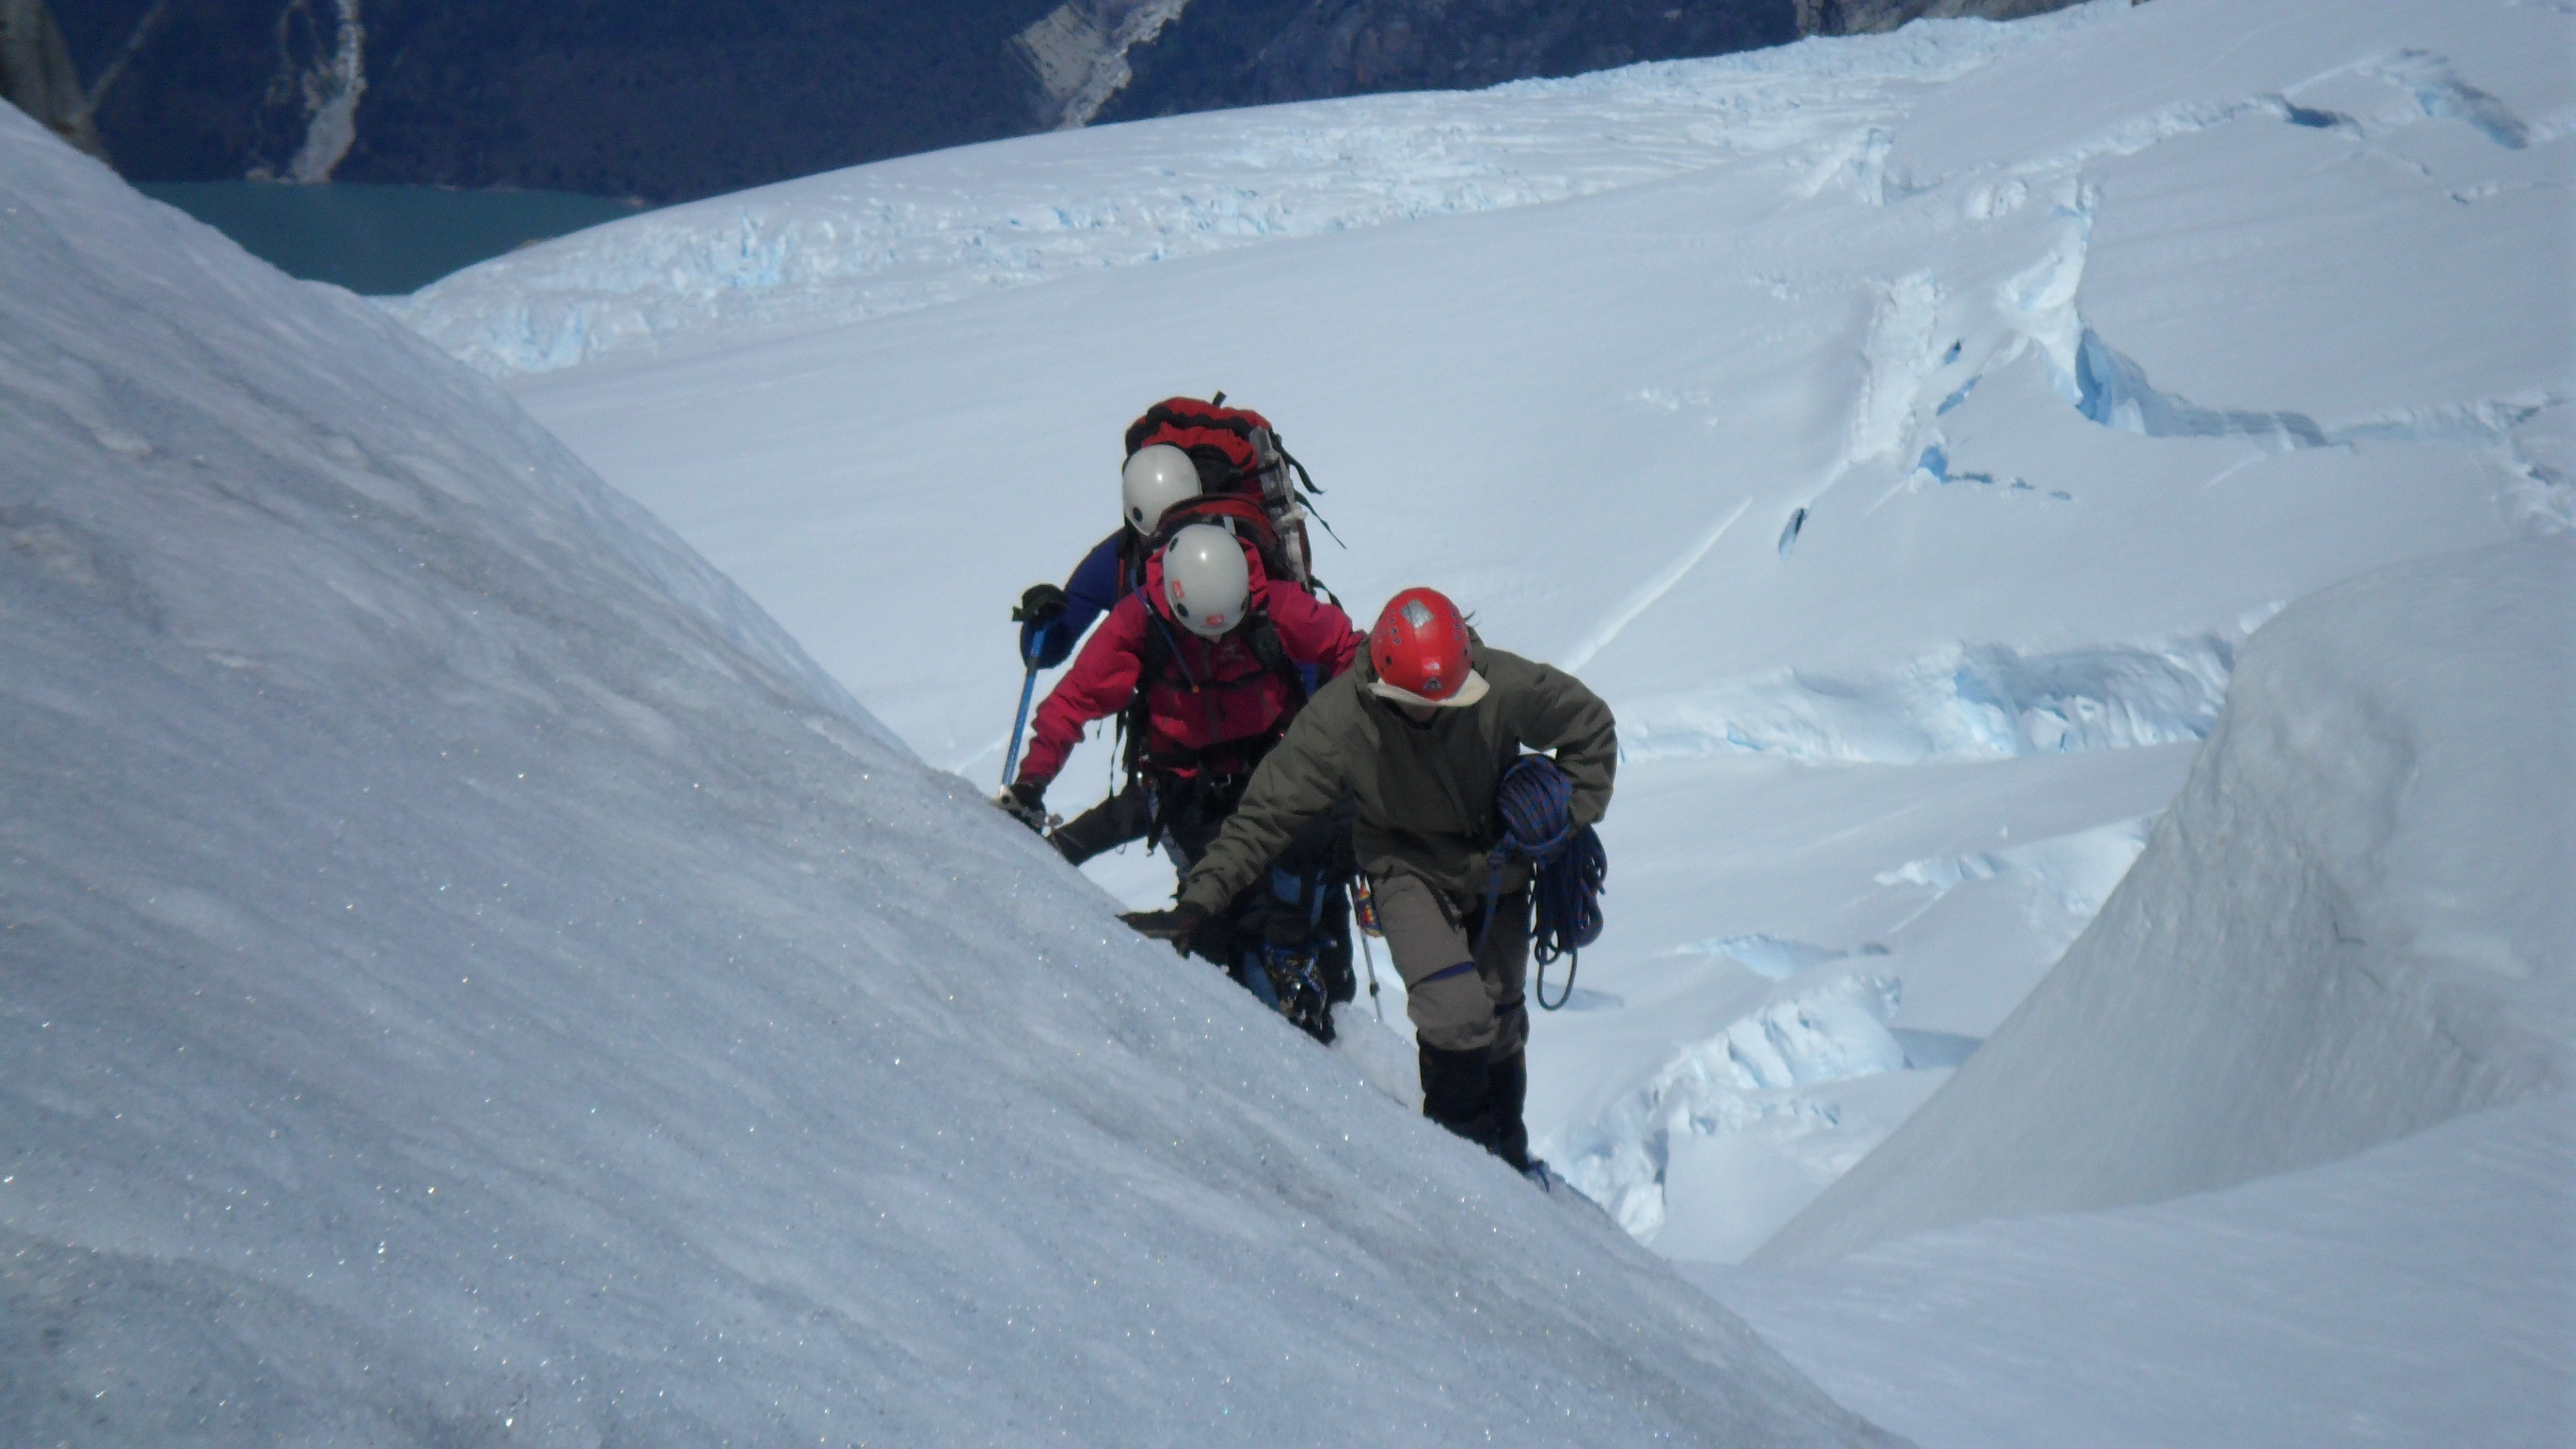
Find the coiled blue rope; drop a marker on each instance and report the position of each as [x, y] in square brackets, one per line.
[1536, 801]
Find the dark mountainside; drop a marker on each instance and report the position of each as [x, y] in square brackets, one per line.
[1223, 53]
[687, 98]
[1869, 17]
[664, 101]
[37, 75]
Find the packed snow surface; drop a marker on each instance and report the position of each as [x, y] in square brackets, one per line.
[1907, 434]
[2417, 1294]
[1904, 433]
[2355, 923]
[468, 978]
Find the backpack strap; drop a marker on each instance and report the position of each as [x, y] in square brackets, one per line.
[1264, 639]
[1159, 653]
[1162, 653]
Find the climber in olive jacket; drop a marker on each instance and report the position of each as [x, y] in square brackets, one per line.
[1418, 732]
[1426, 795]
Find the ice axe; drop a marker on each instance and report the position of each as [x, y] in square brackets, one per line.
[1019, 722]
[1040, 605]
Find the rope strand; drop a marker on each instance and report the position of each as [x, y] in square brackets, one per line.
[1536, 801]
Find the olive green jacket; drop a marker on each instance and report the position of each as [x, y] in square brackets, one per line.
[1425, 793]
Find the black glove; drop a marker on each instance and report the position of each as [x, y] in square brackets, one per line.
[1042, 604]
[1178, 925]
[1025, 802]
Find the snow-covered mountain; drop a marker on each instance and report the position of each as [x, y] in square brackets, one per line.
[1906, 433]
[468, 977]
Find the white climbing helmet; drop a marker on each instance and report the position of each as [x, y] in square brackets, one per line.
[1153, 480]
[1205, 579]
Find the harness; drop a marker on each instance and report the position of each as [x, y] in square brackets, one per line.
[1244, 515]
[1163, 773]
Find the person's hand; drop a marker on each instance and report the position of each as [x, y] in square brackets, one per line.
[1024, 802]
[1178, 925]
[1042, 604]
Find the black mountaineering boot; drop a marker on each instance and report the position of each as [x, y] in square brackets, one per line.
[1506, 1088]
[1454, 1093]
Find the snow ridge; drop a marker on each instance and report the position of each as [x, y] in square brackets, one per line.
[2351, 926]
[1770, 956]
[1751, 1074]
[1988, 702]
[2079, 869]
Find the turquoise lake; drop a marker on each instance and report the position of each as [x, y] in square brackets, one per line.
[381, 240]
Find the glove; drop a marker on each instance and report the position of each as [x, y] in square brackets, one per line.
[1178, 925]
[1024, 802]
[1042, 604]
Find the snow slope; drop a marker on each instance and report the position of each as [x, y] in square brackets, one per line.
[2353, 924]
[1903, 432]
[468, 978]
[2418, 1293]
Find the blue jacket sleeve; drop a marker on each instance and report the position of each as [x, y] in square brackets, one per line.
[1094, 587]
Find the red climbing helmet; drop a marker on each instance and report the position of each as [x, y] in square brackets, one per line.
[1419, 649]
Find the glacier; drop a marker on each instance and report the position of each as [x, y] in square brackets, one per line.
[468, 977]
[1766, 290]
[1923, 441]
[2351, 926]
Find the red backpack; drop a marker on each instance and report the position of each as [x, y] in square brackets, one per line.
[1246, 478]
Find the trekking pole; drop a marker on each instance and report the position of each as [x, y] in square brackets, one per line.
[1363, 917]
[1371, 958]
[1019, 722]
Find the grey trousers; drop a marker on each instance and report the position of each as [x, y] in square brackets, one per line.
[1460, 999]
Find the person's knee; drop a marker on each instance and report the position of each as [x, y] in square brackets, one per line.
[1452, 1013]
